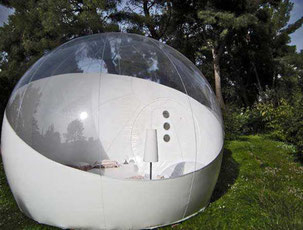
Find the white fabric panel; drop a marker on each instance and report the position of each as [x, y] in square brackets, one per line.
[204, 182]
[49, 192]
[58, 195]
[117, 112]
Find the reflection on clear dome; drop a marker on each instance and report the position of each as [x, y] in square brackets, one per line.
[89, 103]
[112, 131]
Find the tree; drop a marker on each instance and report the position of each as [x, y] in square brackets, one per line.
[37, 27]
[74, 132]
[152, 18]
[191, 25]
[255, 62]
[239, 45]
[289, 82]
[245, 37]
[218, 29]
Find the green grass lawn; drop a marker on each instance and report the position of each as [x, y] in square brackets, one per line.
[260, 187]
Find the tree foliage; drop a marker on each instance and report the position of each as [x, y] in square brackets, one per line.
[37, 27]
[241, 46]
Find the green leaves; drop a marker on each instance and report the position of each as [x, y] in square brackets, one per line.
[215, 18]
[39, 26]
[226, 20]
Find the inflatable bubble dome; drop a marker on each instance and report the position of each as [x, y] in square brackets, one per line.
[112, 131]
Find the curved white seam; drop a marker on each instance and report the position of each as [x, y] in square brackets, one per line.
[98, 118]
[191, 186]
[25, 90]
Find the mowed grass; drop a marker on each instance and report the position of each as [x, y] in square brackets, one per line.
[260, 187]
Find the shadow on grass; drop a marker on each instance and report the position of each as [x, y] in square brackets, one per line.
[228, 175]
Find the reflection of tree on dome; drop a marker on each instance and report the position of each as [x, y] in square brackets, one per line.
[13, 108]
[67, 139]
[47, 140]
[74, 132]
[61, 61]
[26, 123]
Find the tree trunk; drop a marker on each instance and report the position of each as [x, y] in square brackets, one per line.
[216, 63]
[149, 23]
[109, 61]
[257, 77]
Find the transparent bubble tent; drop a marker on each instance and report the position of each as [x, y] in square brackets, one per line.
[112, 131]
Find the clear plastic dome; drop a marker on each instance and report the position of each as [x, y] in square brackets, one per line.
[118, 105]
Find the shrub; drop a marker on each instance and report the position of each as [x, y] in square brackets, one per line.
[283, 121]
[294, 129]
[239, 121]
[276, 118]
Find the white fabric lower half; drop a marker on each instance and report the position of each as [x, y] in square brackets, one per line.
[54, 194]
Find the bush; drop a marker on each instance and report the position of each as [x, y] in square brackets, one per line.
[294, 129]
[276, 118]
[239, 121]
[283, 122]
[233, 122]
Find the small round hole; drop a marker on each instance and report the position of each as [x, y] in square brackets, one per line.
[166, 138]
[166, 126]
[166, 114]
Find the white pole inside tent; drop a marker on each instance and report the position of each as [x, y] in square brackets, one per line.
[151, 148]
[150, 170]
